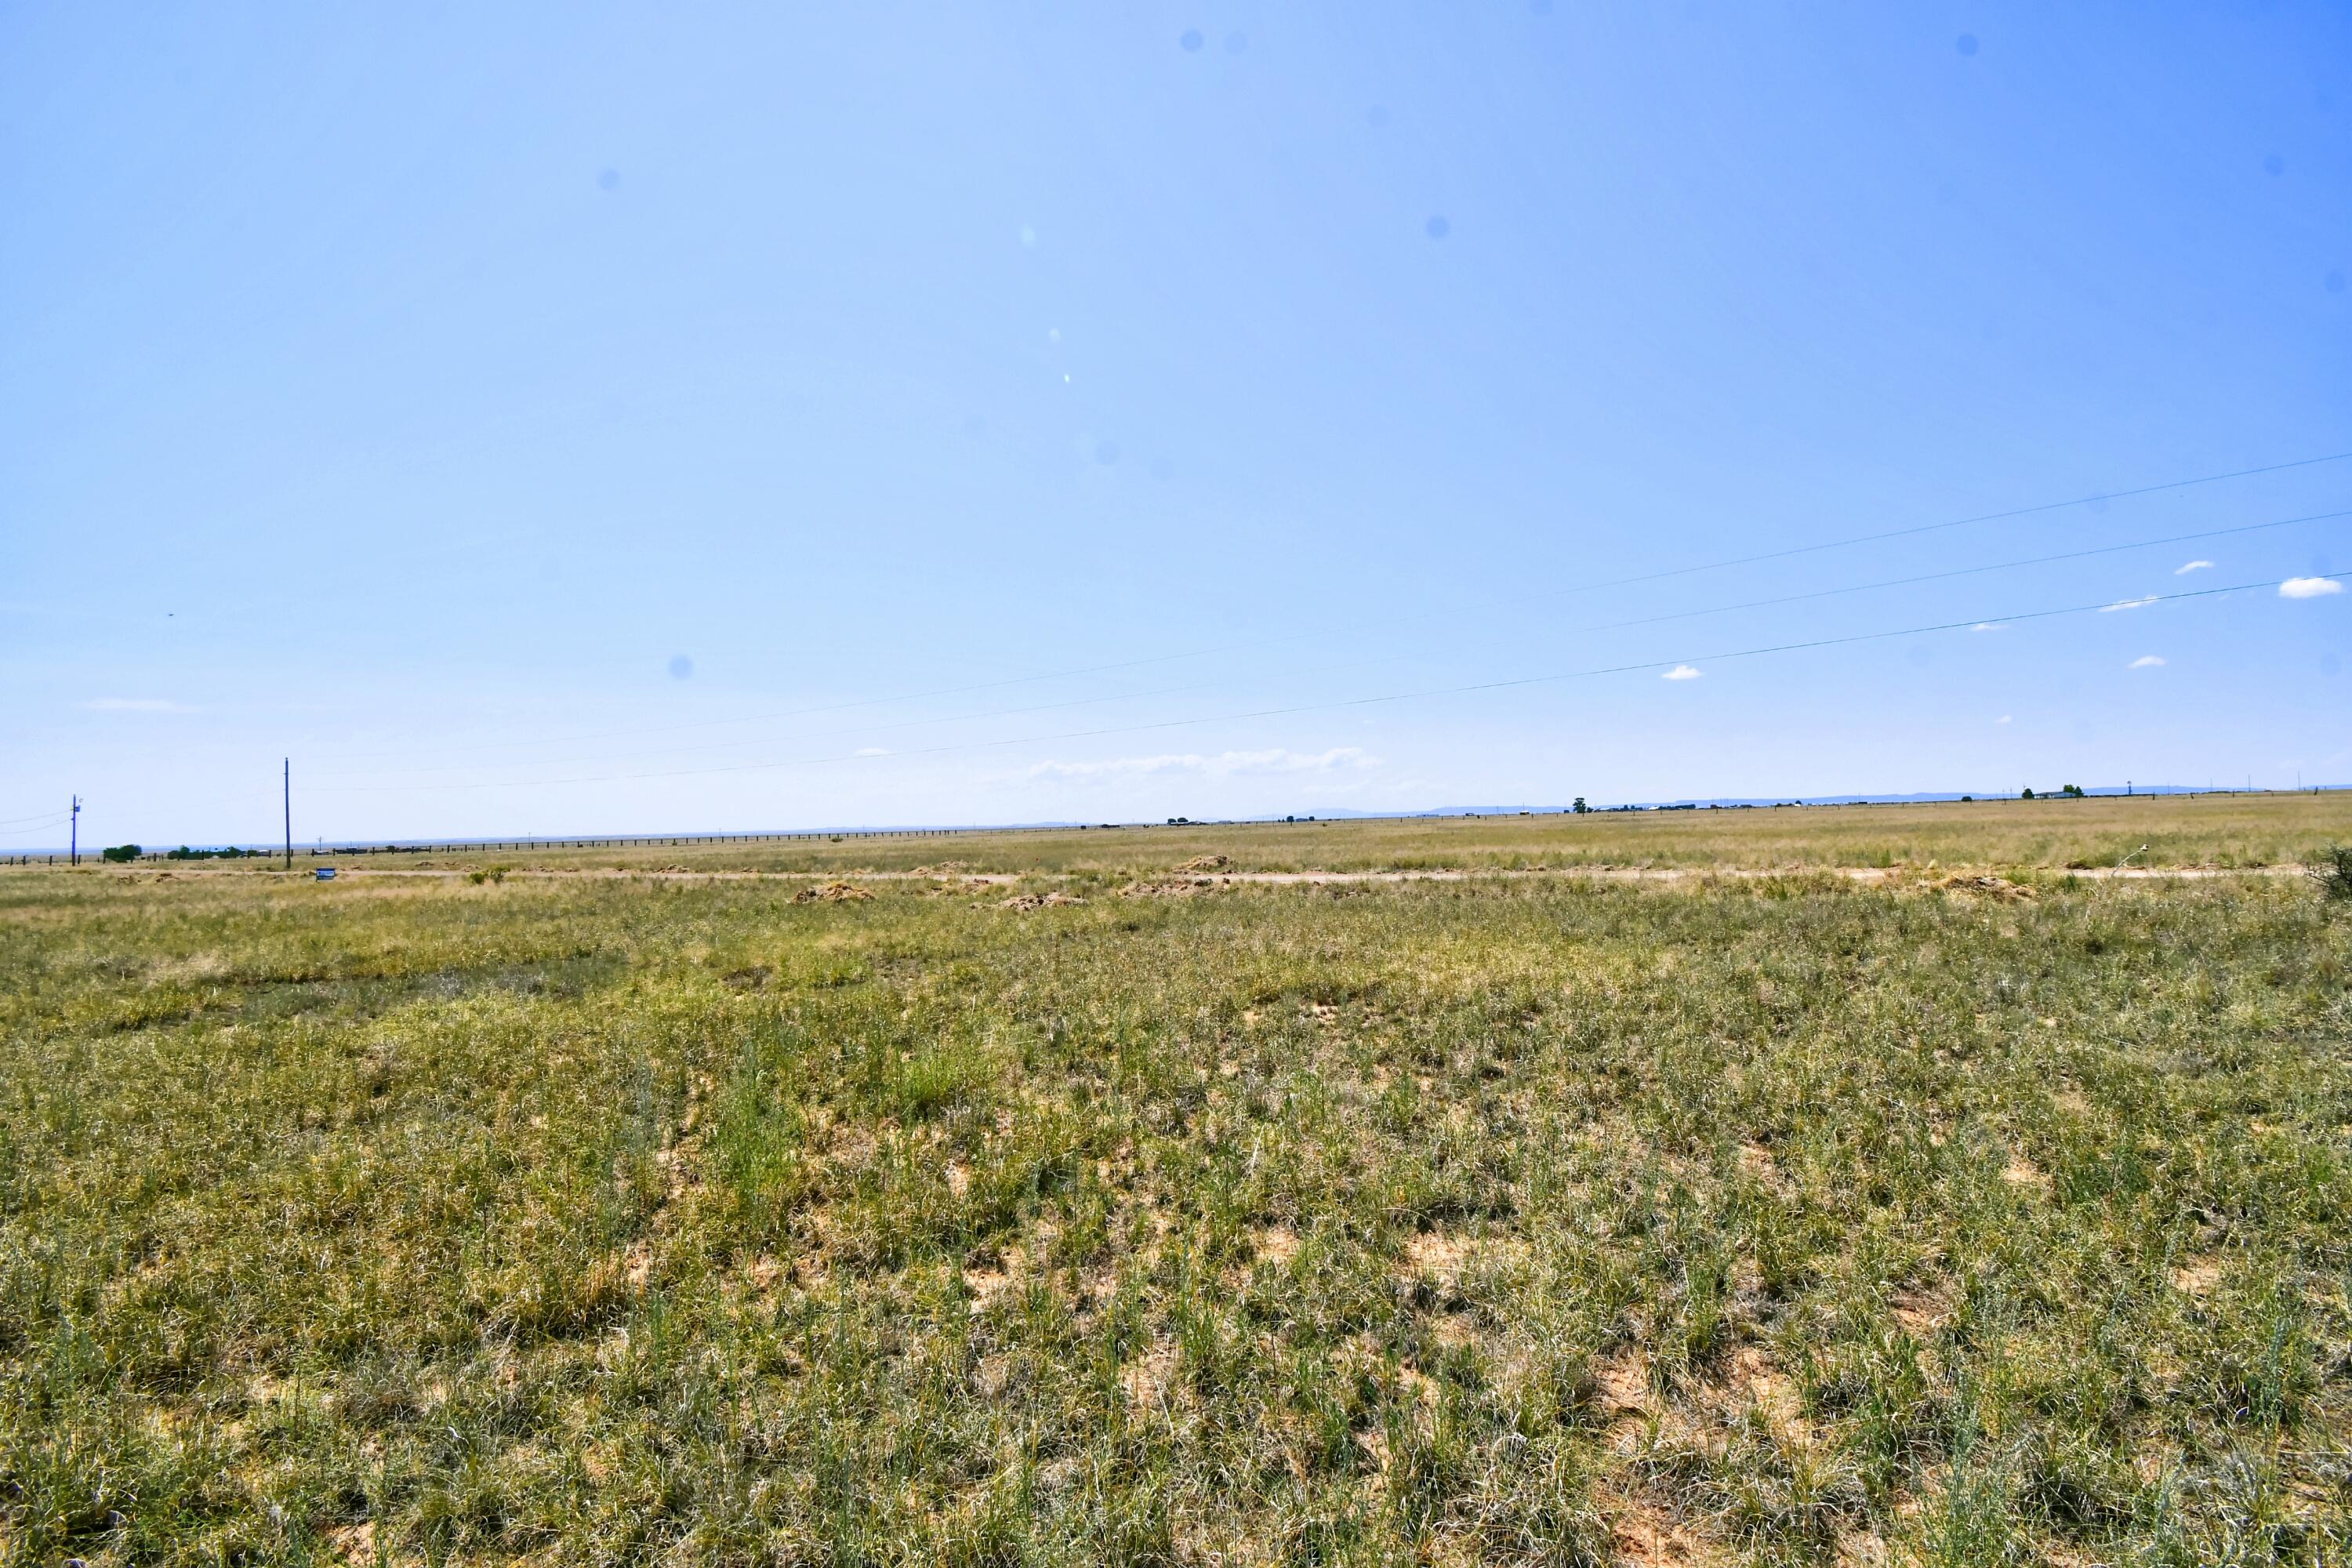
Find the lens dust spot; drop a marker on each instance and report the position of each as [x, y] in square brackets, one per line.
[1105, 453]
[1191, 40]
[2333, 282]
[1376, 116]
[609, 181]
[680, 666]
[1236, 42]
[2274, 165]
[1966, 44]
[1437, 228]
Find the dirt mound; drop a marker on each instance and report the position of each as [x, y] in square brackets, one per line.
[1207, 863]
[944, 869]
[1986, 886]
[1166, 887]
[834, 893]
[1040, 901]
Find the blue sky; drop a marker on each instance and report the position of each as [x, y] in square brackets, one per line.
[539, 421]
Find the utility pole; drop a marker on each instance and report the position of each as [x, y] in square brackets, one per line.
[73, 835]
[290, 812]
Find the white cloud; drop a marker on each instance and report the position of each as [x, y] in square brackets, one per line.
[2002, 719]
[1277, 760]
[870, 752]
[2127, 604]
[1680, 672]
[1990, 627]
[2309, 587]
[2192, 566]
[136, 705]
[2147, 661]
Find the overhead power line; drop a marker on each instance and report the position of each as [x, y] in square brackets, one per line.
[2005, 619]
[2010, 514]
[1603, 627]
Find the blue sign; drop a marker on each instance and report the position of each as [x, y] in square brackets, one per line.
[324, 873]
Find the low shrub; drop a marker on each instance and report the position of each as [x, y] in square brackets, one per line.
[2332, 869]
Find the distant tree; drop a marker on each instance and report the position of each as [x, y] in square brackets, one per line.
[119, 853]
[1967, 797]
[2028, 794]
[2073, 791]
[1580, 807]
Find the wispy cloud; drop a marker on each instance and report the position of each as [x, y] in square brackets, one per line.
[2309, 587]
[2192, 566]
[1275, 759]
[136, 705]
[870, 752]
[1680, 672]
[2147, 661]
[1990, 627]
[2127, 603]
[2002, 719]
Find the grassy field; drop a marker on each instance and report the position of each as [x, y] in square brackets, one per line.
[2230, 831]
[1778, 1218]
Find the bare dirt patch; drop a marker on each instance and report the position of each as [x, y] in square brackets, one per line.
[1643, 1535]
[834, 893]
[2197, 1277]
[1277, 1244]
[1149, 1377]
[1025, 902]
[1166, 887]
[2025, 1175]
[1920, 1310]
[1757, 1382]
[1438, 1255]
[353, 1543]
[1860, 1549]
[1621, 1383]
[987, 1284]
[1986, 886]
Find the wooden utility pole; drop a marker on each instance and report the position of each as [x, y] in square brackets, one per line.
[73, 835]
[290, 814]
